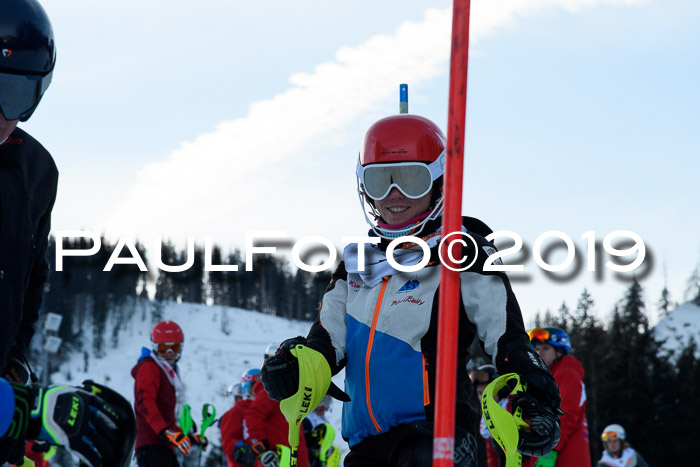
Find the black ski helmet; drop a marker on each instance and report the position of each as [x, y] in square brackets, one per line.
[27, 57]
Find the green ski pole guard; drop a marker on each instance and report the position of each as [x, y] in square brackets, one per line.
[208, 417]
[314, 381]
[503, 425]
[186, 422]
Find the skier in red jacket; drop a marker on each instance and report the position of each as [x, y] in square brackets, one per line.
[157, 382]
[233, 431]
[554, 346]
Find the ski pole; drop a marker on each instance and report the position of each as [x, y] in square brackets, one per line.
[314, 381]
[448, 311]
[208, 417]
[504, 426]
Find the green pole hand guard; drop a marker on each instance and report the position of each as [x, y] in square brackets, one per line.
[503, 425]
[208, 417]
[186, 422]
[314, 381]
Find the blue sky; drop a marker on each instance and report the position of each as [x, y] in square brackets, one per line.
[175, 119]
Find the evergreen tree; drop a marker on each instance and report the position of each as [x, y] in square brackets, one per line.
[166, 284]
[561, 320]
[692, 291]
[587, 344]
[680, 409]
[157, 311]
[217, 280]
[665, 303]
[627, 387]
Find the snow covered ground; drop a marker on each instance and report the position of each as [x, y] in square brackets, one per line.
[681, 324]
[211, 359]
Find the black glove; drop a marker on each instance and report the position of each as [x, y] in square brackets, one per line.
[268, 457]
[244, 454]
[94, 422]
[41, 447]
[520, 357]
[280, 373]
[543, 434]
[177, 438]
[17, 369]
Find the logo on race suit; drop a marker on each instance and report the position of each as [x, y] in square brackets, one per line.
[492, 251]
[408, 286]
[409, 299]
[356, 287]
[7, 53]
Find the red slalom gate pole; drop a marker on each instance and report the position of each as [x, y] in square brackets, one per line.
[448, 312]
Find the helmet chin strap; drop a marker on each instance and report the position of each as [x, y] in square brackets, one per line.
[411, 221]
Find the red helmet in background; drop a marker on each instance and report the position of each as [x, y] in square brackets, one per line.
[167, 331]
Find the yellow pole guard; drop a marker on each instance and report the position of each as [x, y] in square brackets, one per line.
[503, 425]
[314, 381]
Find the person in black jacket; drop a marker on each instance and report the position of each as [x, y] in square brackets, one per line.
[28, 181]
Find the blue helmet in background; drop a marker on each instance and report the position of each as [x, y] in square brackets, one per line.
[248, 380]
[555, 337]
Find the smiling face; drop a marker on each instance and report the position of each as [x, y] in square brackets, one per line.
[397, 208]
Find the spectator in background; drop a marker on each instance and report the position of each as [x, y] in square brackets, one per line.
[554, 346]
[618, 452]
[156, 385]
[233, 432]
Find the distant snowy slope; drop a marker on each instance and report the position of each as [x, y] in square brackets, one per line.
[211, 360]
[681, 324]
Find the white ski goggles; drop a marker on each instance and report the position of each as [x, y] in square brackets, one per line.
[413, 179]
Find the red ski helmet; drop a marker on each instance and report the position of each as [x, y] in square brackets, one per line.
[406, 152]
[402, 138]
[27, 57]
[166, 331]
